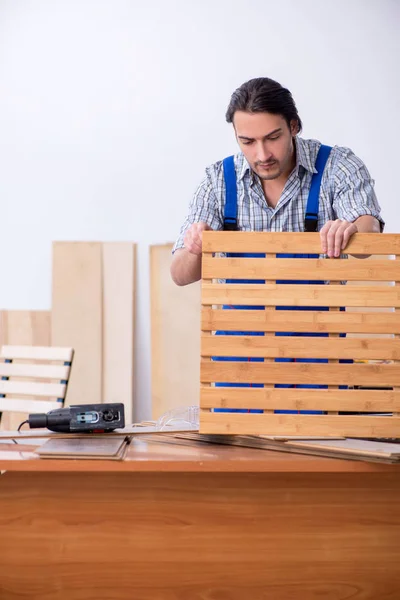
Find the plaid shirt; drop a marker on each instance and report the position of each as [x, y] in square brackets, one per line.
[347, 192]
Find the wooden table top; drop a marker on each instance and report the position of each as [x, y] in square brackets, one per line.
[146, 453]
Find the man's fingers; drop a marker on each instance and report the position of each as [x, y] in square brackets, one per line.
[351, 230]
[331, 238]
[339, 238]
[335, 236]
[323, 234]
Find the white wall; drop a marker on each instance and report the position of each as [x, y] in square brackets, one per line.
[111, 109]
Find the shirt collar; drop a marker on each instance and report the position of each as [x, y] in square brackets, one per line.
[305, 157]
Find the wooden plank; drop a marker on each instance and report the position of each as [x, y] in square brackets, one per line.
[77, 315]
[22, 405]
[32, 388]
[175, 336]
[23, 328]
[300, 321]
[118, 324]
[300, 373]
[34, 371]
[36, 353]
[300, 399]
[300, 269]
[299, 295]
[263, 242]
[300, 347]
[313, 425]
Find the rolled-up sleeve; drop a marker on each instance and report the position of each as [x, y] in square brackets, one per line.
[354, 194]
[202, 208]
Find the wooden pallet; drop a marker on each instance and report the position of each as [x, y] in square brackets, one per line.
[374, 345]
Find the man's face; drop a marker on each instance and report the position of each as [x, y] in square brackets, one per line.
[266, 142]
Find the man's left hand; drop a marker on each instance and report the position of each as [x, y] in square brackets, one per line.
[335, 236]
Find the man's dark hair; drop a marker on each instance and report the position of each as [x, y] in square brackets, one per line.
[263, 95]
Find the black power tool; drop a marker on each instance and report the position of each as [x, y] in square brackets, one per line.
[90, 418]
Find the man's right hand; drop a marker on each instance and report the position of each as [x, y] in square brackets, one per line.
[193, 237]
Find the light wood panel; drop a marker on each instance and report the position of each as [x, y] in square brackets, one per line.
[175, 336]
[25, 327]
[77, 313]
[118, 280]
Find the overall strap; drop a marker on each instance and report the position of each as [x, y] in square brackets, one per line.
[311, 216]
[230, 214]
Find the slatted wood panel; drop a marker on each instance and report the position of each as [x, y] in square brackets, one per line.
[25, 328]
[34, 379]
[311, 308]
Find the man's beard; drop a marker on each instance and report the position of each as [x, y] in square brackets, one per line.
[273, 172]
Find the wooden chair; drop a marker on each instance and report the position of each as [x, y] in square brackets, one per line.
[33, 378]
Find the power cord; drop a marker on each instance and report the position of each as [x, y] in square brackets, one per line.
[23, 423]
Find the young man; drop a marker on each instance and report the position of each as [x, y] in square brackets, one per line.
[274, 174]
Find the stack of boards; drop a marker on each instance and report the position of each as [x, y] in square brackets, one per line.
[354, 449]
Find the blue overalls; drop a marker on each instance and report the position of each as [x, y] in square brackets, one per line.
[310, 225]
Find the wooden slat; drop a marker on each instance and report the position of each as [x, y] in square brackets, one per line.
[300, 373]
[300, 321]
[300, 269]
[299, 295]
[175, 336]
[38, 371]
[33, 388]
[77, 315]
[22, 405]
[36, 353]
[300, 347]
[324, 425]
[300, 399]
[263, 242]
[118, 324]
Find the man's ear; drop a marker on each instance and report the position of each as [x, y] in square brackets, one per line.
[294, 127]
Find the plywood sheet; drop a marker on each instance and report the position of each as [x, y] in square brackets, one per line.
[77, 319]
[118, 324]
[175, 336]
